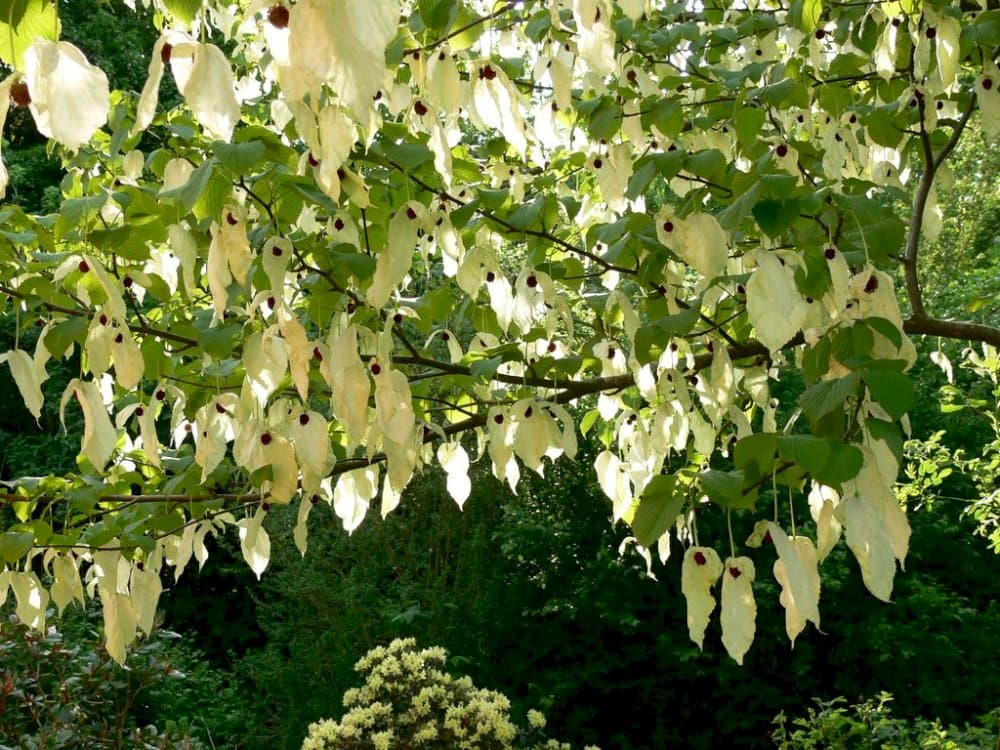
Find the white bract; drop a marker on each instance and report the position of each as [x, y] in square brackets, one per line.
[385, 236]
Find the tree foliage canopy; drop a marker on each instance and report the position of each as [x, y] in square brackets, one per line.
[377, 235]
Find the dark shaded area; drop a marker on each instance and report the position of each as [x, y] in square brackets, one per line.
[530, 597]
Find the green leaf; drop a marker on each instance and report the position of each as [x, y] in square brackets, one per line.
[189, 193]
[21, 23]
[75, 212]
[844, 463]
[816, 360]
[835, 99]
[588, 421]
[605, 120]
[883, 128]
[887, 329]
[658, 508]
[220, 342]
[756, 450]
[726, 489]
[888, 432]
[485, 368]
[238, 157]
[894, 390]
[747, 190]
[808, 451]
[183, 10]
[645, 171]
[407, 155]
[61, 336]
[650, 343]
[709, 164]
[527, 216]
[871, 229]
[828, 395]
[666, 114]
[438, 14]
[812, 11]
[853, 346]
[14, 545]
[785, 92]
[984, 32]
[748, 122]
[358, 265]
[775, 216]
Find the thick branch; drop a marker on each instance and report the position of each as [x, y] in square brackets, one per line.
[952, 329]
[931, 166]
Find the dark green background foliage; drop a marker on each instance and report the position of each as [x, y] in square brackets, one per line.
[60, 690]
[529, 595]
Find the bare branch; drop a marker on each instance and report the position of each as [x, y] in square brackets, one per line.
[931, 166]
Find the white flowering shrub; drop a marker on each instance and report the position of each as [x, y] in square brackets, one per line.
[409, 701]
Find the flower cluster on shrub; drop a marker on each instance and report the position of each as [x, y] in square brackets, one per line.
[409, 701]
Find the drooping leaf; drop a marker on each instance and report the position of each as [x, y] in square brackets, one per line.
[658, 509]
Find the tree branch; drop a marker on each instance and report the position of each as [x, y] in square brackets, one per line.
[952, 329]
[931, 166]
[142, 328]
[490, 216]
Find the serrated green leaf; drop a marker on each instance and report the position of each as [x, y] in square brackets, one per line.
[835, 99]
[888, 432]
[658, 508]
[605, 120]
[853, 346]
[668, 117]
[189, 193]
[238, 157]
[887, 329]
[588, 421]
[828, 395]
[748, 122]
[14, 545]
[219, 342]
[893, 390]
[485, 368]
[844, 463]
[62, 335]
[709, 164]
[775, 216]
[758, 450]
[725, 488]
[808, 451]
[812, 11]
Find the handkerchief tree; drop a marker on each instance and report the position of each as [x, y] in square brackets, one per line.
[380, 235]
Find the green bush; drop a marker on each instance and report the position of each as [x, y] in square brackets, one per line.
[58, 693]
[408, 700]
[60, 689]
[835, 725]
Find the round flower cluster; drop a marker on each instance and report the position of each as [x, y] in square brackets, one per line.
[408, 700]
